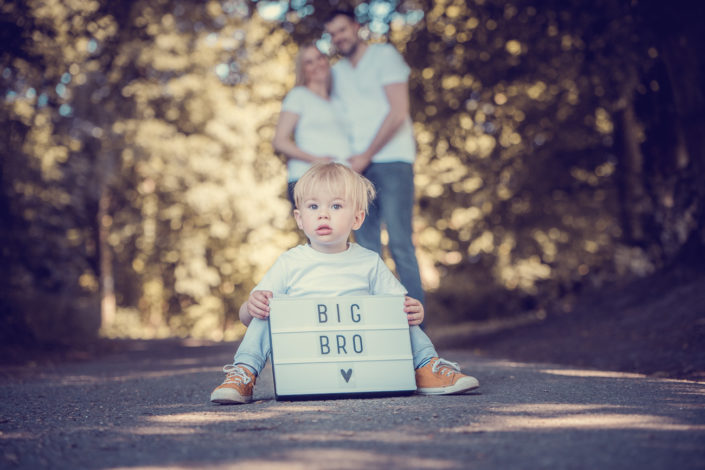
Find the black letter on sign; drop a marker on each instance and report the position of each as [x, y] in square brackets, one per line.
[340, 340]
[325, 349]
[337, 308]
[357, 343]
[355, 316]
[322, 316]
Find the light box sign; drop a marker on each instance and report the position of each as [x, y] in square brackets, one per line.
[340, 346]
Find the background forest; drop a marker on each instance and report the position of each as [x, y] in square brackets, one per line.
[560, 145]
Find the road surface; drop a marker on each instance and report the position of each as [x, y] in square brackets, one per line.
[147, 407]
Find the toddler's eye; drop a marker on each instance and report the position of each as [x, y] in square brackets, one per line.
[337, 206]
[313, 206]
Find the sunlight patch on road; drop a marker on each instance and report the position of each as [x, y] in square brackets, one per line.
[161, 373]
[593, 373]
[188, 423]
[161, 430]
[388, 437]
[612, 375]
[12, 435]
[194, 361]
[124, 377]
[562, 416]
[342, 459]
[552, 408]
[229, 414]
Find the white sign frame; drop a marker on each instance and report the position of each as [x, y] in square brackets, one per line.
[329, 347]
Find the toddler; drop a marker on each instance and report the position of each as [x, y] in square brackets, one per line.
[331, 201]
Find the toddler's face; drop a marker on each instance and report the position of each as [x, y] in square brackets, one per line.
[327, 219]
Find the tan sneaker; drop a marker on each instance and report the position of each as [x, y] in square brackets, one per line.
[441, 377]
[237, 386]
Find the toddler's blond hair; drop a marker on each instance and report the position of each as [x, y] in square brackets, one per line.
[356, 189]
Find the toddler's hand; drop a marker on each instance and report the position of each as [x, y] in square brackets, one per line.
[258, 304]
[414, 311]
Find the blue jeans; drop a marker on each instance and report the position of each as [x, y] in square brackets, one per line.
[255, 348]
[394, 205]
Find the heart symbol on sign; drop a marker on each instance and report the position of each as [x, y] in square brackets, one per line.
[346, 374]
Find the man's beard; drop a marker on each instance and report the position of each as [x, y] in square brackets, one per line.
[350, 52]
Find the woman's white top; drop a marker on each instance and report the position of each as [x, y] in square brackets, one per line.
[319, 131]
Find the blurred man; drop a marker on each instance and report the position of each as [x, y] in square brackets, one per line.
[371, 80]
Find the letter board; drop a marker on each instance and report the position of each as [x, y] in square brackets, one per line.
[352, 345]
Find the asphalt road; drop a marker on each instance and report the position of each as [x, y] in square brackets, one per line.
[147, 407]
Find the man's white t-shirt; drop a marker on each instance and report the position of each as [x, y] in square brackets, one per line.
[361, 90]
[305, 272]
[319, 131]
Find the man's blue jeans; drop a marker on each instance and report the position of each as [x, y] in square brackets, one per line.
[394, 205]
[255, 348]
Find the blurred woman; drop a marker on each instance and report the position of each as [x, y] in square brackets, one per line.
[311, 126]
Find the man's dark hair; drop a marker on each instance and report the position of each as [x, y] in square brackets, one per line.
[340, 12]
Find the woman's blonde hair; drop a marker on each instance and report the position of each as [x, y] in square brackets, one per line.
[336, 177]
[300, 79]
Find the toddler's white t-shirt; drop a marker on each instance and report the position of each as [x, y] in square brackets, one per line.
[305, 272]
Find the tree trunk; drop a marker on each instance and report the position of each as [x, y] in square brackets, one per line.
[107, 279]
[635, 202]
[678, 27]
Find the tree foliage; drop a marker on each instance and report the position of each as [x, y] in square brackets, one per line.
[559, 144]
